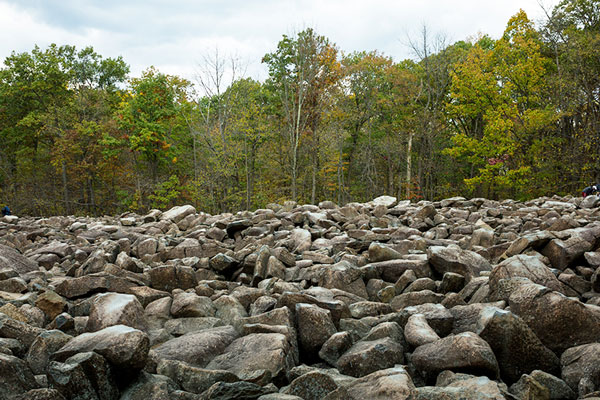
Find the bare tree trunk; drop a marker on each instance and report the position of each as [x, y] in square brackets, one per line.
[314, 183]
[295, 144]
[65, 188]
[92, 196]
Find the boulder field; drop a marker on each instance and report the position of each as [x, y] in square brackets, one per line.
[454, 299]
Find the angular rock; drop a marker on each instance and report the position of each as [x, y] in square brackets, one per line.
[191, 305]
[366, 357]
[15, 377]
[527, 267]
[13, 329]
[176, 214]
[121, 345]
[150, 387]
[563, 253]
[539, 382]
[344, 276]
[312, 386]
[235, 390]
[12, 259]
[42, 348]
[335, 347]
[86, 285]
[83, 376]
[193, 379]
[389, 383]
[465, 352]
[418, 332]
[169, 277]
[453, 259]
[381, 252]
[51, 304]
[580, 368]
[560, 322]
[198, 348]
[258, 351]
[314, 328]
[518, 350]
[110, 309]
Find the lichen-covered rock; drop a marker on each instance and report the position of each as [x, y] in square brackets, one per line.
[83, 376]
[463, 352]
[258, 351]
[366, 357]
[196, 348]
[454, 259]
[559, 321]
[524, 266]
[418, 332]
[580, 368]
[314, 328]
[43, 347]
[15, 377]
[312, 386]
[390, 383]
[121, 345]
[193, 379]
[110, 309]
[517, 348]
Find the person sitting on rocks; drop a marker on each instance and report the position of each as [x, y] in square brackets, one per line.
[594, 189]
[5, 211]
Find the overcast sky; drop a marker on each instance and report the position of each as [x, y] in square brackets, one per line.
[173, 35]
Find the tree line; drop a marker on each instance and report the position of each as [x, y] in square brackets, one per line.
[513, 117]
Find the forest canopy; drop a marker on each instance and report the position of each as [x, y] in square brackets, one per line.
[510, 117]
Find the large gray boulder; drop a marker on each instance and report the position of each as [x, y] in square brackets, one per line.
[389, 383]
[517, 348]
[559, 321]
[368, 356]
[315, 326]
[463, 352]
[197, 348]
[191, 305]
[580, 368]
[11, 259]
[177, 213]
[454, 259]
[15, 377]
[258, 351]
[110, 309]
[562, 253]
[524, 266]
[344, 276]
[121, 345]
[193, 379]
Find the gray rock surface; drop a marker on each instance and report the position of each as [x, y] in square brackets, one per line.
[373, 300]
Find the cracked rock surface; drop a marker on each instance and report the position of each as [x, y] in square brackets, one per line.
[459, 298]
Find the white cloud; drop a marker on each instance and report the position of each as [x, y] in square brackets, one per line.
[173, 35]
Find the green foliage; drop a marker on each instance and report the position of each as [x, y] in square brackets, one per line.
[516, 116]
[165, 193]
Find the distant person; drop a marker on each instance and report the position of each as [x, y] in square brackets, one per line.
[5, 211]
[594, 189]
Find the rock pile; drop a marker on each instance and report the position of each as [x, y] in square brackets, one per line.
[453, 299]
